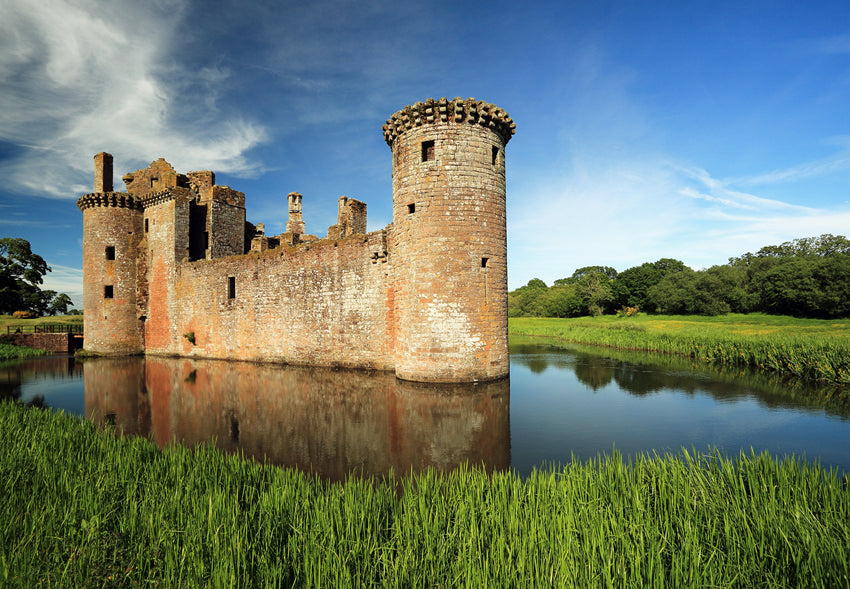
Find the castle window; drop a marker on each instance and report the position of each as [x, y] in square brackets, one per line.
[107, 291]
[110, 252]
[495, 154]
[411, 208]
[484, 262]
[231, 287]
[428, 151]
[146, 225]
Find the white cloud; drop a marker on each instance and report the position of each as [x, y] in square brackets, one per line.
[87, 76]
[67, 280]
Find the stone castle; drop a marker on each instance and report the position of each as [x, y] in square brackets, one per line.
[171, 267]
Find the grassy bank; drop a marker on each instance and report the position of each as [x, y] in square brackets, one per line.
[805, 348]
[10, 351]
[85, 509]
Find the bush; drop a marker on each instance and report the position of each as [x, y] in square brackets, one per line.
[23, 315]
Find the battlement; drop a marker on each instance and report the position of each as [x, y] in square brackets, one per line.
[444, 110]
[109, 199]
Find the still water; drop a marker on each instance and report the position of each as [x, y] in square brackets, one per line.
[560, 402]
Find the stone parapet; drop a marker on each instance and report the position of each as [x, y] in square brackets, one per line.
[456, 110]
[109, 199]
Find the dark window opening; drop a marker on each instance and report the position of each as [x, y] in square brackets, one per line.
[411, 208]
[107, 291]
[231, 287]
[146, 225]
[234, 428]
[484, 262]
[428, 151]
[495, 155]
[110, 252]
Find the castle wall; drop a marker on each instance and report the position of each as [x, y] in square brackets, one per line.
[227, 228]
[323, 304]
[166, 246]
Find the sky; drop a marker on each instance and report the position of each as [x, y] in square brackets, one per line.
[645, 130]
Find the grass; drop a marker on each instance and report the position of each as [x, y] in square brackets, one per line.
[7, 320]
[84, 509]
[810, 349]
[10, 351]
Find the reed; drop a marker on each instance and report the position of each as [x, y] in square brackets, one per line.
[810, 349]
[82, 508]
[10, 351]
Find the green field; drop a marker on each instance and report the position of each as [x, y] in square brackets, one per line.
[8, 320]
[811, 349]
[8, 323]
[81, 508]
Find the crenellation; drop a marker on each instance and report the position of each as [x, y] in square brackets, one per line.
[425, 297]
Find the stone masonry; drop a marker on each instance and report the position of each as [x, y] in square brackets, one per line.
[171, 267]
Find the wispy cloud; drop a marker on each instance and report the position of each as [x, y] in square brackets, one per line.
[87, 76]
[837, 162]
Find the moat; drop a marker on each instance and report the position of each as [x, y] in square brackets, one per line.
[560, 402]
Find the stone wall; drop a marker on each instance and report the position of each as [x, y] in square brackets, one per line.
[322, 303]
[58, 343]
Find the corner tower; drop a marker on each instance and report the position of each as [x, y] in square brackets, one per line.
[112, 229]
[448, 242]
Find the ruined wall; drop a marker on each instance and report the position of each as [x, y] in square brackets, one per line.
[165, 246]
[449, 240]
[323, 303]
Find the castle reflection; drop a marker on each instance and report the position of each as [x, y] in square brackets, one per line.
[326, 421]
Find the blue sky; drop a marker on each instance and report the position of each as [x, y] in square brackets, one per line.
[690, 130]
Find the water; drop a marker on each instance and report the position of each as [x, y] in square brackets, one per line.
[561, 402]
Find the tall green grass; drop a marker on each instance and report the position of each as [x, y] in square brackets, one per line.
[10, 351]
[808, 349]
[84, 509]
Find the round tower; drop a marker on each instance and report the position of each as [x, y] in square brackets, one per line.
[448, 244]
[112, 229]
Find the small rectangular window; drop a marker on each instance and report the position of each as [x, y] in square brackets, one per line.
[484, 262]
[411, 208]
[428, 151]
[495, 153]
[231, 287]
[146, 225]
[107, 291]
[110, 252]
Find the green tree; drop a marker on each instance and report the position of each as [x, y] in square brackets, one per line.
[21, 273]
[631, 287]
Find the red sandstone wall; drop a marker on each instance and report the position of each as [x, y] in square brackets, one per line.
[323, 303]
[451, 311]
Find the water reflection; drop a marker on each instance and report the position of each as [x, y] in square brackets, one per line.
[641, 374]
[42, 375]
[327, 421]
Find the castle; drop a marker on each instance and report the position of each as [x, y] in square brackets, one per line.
[171, 267]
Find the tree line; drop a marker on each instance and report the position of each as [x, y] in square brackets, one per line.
[21, 273]
[808, 277]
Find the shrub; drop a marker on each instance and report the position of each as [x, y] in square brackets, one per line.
[23, 315]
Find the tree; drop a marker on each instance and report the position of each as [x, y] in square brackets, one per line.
[59, 305]
[631, 287]
[21, 273]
